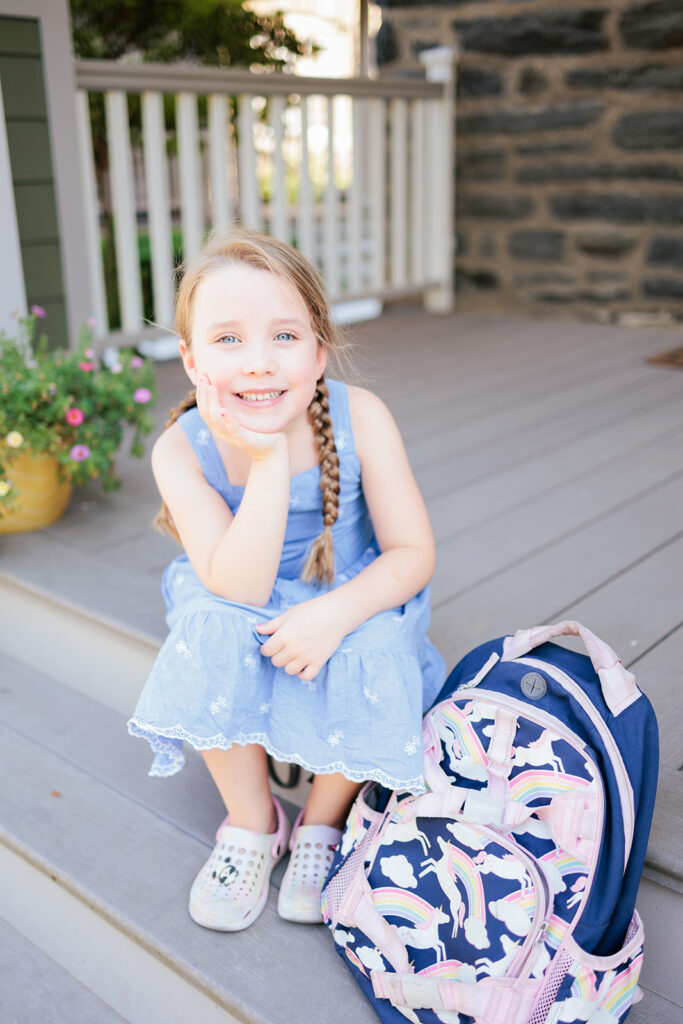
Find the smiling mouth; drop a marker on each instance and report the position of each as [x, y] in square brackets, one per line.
[259, 396]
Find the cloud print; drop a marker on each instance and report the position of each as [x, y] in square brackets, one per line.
[399, 870]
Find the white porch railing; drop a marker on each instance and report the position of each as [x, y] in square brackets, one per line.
[357, 173]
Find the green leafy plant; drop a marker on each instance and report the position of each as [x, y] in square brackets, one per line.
[67, 404]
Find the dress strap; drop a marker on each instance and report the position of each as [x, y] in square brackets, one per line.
[204, 447]
[341, 417]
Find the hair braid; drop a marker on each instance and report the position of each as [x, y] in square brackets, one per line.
[163, 519]
[320, 563]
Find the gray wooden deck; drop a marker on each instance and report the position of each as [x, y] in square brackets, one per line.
[550, 457]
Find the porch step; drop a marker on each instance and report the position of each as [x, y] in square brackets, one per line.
[96, 861]
[87, 837]
[33, 988]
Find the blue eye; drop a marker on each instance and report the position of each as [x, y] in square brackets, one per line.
[228, 339]
[287, 335]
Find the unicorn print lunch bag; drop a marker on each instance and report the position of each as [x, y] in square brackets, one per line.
[505, 894]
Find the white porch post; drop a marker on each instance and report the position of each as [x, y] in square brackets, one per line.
[439, 66]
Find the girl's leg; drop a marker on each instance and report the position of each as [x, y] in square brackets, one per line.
[241, 775]
[329, 800]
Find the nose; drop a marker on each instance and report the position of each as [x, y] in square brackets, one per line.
[258, 359]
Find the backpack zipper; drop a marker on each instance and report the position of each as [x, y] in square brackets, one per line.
[623, 781]
[539, 923]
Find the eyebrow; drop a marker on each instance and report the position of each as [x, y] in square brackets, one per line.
[291, 321]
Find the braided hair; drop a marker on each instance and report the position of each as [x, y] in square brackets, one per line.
[320, 564]
[240, 246]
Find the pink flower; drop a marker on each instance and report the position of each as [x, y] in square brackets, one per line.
[90, 353]
[86, 367]
[79, 452]
[142, 396]
[39, 312]
[74, 417]
[136, 362]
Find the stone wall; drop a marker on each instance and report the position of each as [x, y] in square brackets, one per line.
[569, 144]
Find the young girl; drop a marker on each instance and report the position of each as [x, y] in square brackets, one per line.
[298, 613]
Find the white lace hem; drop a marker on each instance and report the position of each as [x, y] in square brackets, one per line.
[176, 759]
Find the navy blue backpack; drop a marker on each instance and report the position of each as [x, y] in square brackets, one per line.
[506, 893]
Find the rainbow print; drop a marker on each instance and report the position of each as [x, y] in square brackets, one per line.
[620, 995]
[523, 898]
[399, 903]
[448, 970]
[583, 986]
[355, 960]
[555, 931]
[467, 738]
[564, 862]
[531, 785]
[464, 868]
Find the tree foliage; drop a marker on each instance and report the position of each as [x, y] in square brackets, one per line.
[222, 33]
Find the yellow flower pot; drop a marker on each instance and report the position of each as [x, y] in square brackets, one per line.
[41, 500]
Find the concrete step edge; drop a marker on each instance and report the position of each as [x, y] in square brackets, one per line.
[121, 923]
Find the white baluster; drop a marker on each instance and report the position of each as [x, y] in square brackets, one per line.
[220, 161]
[417, 194]
[377, 176]
[440, 146]
[331, 222]
[355, 204]
[189, 170]
[92, 217]
[158, 205]
[250, 203]
[280, 225]
[123, 210]
[398, 190]
[306, 240]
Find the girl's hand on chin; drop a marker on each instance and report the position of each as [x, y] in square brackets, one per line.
[227, 429]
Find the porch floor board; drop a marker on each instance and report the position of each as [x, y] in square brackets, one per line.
[550, 458]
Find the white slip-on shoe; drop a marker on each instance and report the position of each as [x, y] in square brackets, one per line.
[312, 849]
[231, 889]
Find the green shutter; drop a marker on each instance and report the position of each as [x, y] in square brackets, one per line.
[28, 135]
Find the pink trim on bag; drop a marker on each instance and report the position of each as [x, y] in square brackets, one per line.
[358, 910]
[490, 1001]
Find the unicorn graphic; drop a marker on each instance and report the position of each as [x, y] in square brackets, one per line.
[538, 753]
[507, 866]
[426, 936]
[456, 866]
[497, 968]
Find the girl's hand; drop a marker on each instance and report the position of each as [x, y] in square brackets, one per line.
[227, 429]
[304, 637]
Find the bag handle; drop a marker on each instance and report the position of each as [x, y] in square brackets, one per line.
[618, 684]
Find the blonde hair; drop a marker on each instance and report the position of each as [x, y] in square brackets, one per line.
[240, 246]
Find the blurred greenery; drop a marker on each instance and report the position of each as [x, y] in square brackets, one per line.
[217, 33]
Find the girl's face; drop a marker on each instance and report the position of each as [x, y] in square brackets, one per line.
[252, 337]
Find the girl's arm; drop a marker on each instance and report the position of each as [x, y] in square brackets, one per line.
[235, 556]
[399, 516]
[305, 636]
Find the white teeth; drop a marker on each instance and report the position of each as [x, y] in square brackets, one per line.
[253, 396]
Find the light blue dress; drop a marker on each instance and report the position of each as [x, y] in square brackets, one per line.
[212, 687]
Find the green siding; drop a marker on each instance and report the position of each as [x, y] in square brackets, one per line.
[28, 134]
[36, 212]
[22, 87]
[29, 148]
[19, 35]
